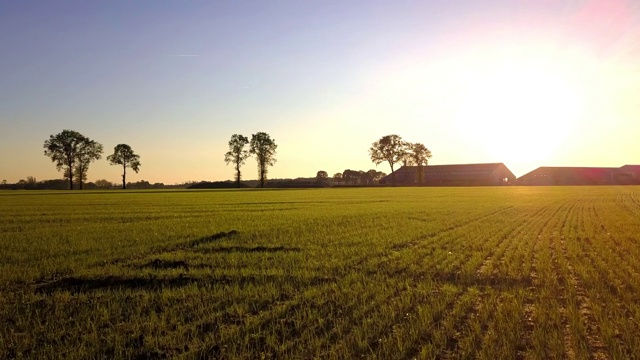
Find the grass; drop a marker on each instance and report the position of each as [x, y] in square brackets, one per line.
[510, 272]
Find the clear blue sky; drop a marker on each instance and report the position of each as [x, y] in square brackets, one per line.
[525, 82]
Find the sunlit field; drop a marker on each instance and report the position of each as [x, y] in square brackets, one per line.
[387, 273]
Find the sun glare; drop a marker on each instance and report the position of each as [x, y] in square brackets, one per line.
[519, 114]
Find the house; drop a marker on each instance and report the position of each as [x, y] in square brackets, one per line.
[453, 175]
[547, 175]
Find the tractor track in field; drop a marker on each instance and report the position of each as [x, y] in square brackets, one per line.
[448, 314]
[477, 282]
[452, 343]
[374, 343]
[595, 343]
[619, 251]
[558, 256]
[530, 311]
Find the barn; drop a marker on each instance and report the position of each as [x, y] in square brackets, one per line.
[453, 175]
[547, 175]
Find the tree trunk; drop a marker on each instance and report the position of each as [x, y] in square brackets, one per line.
[124, 177]
[393, 175]
[238, 177]
[70, 178]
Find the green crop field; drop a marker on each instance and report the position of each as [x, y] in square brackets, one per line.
[386, 273]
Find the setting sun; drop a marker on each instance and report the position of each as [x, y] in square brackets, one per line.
[522, 112]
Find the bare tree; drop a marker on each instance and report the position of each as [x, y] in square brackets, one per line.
[237, 153]
[123, 155]
[265, 150]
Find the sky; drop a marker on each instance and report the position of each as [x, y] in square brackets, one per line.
[525, 82]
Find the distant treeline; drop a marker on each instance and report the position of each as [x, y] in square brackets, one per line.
[62, 184]
[345, 178]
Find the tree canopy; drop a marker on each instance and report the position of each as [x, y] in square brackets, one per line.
[237, 154]
[264, 148]
[72, 152]
[88, 152]
[420, 156]
[389, 148]
[123, 155]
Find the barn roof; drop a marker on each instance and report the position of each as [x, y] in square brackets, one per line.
[461, 168]
[455, 172]
[568, 175]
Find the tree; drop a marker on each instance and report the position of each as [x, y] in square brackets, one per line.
[350, 176]
[373, 176]
[420, 155]
[124, 155]
[237, 154]
[337, 177]
[4, 182]
[265, 150]
[88, 151]
[407, 156]
[104, 184]
[389, 148]
[322, 178]
[69, 148]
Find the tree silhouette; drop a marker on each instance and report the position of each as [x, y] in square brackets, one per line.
[322, 178]
[124, 155]
[70, 148]
[265, 150]
[389, 148]
[88, 152]
[237, 154]
[103, 184]
[420, 156]
[350, 176]
[406, 158]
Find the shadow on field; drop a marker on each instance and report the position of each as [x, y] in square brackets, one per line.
[166, 264]
[212, 238]
[82, 285]
[244, 249]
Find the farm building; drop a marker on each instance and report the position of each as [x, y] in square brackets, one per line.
[453, 175]
[625, 175]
